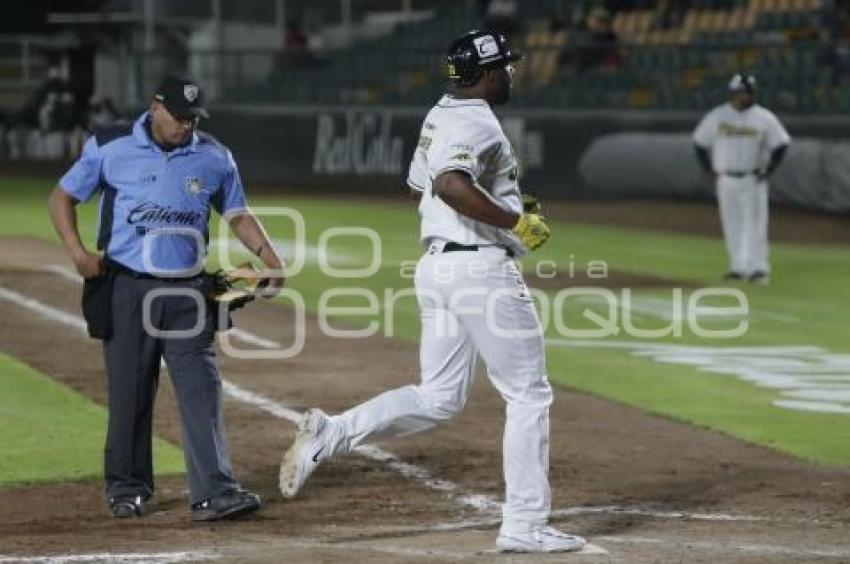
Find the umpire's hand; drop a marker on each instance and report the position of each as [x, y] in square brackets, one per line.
[89, 264]
[270, 282]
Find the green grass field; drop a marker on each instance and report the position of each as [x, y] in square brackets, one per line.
[49, 432]
[804, 306]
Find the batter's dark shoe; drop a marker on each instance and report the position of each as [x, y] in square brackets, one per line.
[126, 506]
[228, 505]
[732, 275]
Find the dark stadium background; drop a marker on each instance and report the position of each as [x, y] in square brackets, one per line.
[331, 93]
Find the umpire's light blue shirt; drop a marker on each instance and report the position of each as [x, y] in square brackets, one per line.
[152, 198]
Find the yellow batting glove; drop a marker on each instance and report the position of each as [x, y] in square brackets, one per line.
[531, 230]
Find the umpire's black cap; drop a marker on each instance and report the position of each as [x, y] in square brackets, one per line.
[475, 51]
[182, 97]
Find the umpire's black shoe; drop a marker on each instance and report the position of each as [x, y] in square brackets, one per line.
[226, 506]
[124, 506]
[732, 275]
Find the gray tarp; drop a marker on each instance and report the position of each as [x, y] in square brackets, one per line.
[815, 173]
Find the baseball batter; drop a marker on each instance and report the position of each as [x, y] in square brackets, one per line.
[472, 301]
[741, 144]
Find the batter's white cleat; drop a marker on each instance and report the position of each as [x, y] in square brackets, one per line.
[304, 455]
[547, 539]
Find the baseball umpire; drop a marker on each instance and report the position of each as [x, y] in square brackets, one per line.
[741, 144]
[472, 301]
[157, 179]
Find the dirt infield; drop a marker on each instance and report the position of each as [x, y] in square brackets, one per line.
[642, 488]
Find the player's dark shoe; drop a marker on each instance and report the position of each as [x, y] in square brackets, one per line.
[732, 275]
[759, 277]
[228, 505]
[126, 506]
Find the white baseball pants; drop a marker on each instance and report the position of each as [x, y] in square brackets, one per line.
[744, 217]
[471, 303]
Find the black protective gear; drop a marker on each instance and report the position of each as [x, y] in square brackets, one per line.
[473, 52]
[743, 81]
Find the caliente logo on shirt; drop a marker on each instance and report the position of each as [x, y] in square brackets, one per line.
[151, 213]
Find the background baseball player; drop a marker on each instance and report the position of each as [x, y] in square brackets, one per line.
[741, 144]
[158, 178]
[472, 301]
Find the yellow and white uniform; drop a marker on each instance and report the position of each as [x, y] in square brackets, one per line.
[472, 301]
[740, 143]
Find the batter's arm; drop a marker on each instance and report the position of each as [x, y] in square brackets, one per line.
[704, 158]
[776, 158]
[458, 191]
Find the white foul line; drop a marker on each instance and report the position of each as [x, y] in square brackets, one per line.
[607, 510]
[721, 546]
[155, 558]
[480, 502]
[656, 514]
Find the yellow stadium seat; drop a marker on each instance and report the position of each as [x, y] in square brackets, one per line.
[640, 98]
[750, 17]
[736, 20]
[644, 19]
[619, 23]
[719, 23]
[690, 21]
[628, 23]
[548, 65]
[703, 20]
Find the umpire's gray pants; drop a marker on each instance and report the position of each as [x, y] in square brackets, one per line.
[133, 358]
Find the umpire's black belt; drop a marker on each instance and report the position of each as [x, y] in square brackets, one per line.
[121, 269]
[451, 246]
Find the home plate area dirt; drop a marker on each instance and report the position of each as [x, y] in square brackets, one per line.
[640, 488]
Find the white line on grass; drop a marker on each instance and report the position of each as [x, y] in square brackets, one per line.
[480, 502]
[814, 378]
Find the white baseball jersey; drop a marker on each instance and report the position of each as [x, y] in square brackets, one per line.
[740, 142]
[472, 302]
[465, 135]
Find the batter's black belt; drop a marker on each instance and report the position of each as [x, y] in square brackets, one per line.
[121, 269]
[451, 246]
[736, 174]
